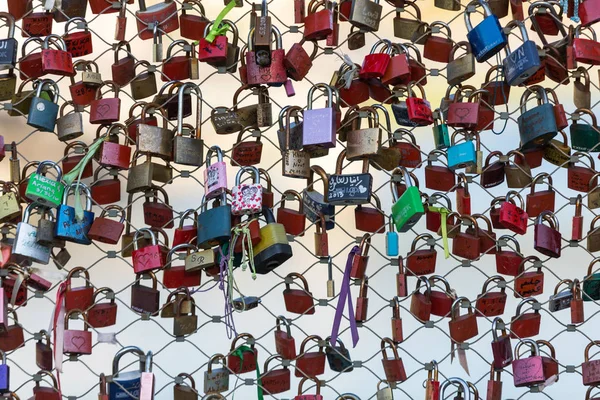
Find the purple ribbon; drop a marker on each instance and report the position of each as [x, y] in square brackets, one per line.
[345, 297]
[228, 312]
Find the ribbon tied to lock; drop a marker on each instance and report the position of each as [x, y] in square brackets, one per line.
[444, 227]
[217, 29]
[345, 297]
[239, 353]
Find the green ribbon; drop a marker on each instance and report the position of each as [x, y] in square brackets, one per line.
[444, 215]
[217, 29]
[242, 231]
[76, 173]
[239, 353]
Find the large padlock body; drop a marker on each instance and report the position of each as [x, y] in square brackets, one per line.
[175, 277]
[106, 191]
[105, 111]
[591, 372]
[339, 359]
[79, 44]
[68, 228]
[420, 307]
[421, 262]
[318, 128]
[71, 161]
[57, 62]
[394, 370]
[487, 38]
[298, 301]
[42, 114]
[520, 64]
[297, 62]
[148, 258]
[77, 342]
[528, 371]
[407, 211]
[584, 137]
[349, 189]
[368, 219]
[461, 155]
[102, 315]
[145, 299]
[214, 226]
[241, 366]
[247, 199]
[591, 287]
[114, 155]
[192, 26]
[274, 74]
[276, 381]
[491, 304]
[26, 244]
[163, 13]
[293, 221]
[526, 325]
[579, 178]
[537, 126]
[540, 201]
[463, 115]
[215, 179]
[529, 284]
[513, 218]
[318, 25]
[80, 298]
[439, 178]
[176, 68]
[547, 240]
[158, 215]
[463, 327]
[125, 384]
[216, 381]
[310, 364]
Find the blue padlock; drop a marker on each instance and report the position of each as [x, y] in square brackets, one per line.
[67, 227]
[520, 64]
[391, 240]
[126, 385]
[4, 374]
[487, 38]
[537, 126]
[462, 155]
[42, 113]
[214, 225]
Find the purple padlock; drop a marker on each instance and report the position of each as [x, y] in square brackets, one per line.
[318, 128]
[4, 374]
[215, 175]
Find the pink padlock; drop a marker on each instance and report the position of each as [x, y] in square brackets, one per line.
[215, 175]
[247, 197]
[528, 371]
[289, 88]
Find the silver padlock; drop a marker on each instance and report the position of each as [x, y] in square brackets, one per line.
[25, 239]
[69, 126]
[384, 393]
[216, 380]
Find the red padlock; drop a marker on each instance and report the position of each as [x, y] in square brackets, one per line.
[589, 12]
[246, 362]
[462, 327]
[37, 24]
[590, 369]
[106, 191]
[526, 324]
[468, 244]
[148, 258]
[531, 283]
[123, 69]
[583, 178]
[360, 261]
[106, 110]
[501, 346]
[577, 312]
[177, 68]
[275, 380]
[102, 315]
[56, 61]
[175, 277]
[441, 300]
[418, 71]
[560, 115]
[546, 22]
[8, 286]
[106, 230]
[585, 50]
[112, 154]
[420, 303]
[463, 114]
[508, 261]
[375, 63]
[273, 74]
[285, 344]
[297, 62]
[392, 367]
[298, 301]
[214, 51]
[487, 238]
[577, 222]
[419, 109]
[162, 16]
[410, 151]
[293, 221]
[422, 261]
[369, 219]
[158, 214]
[549, 364]
[547, 238]
[491, 304]
[539, 201]
[498, 89]
[76, 342]
[318, 24]
[397, 332]
[82, 93]
[438, 177]
[79, 44]
[310, 364]
[192, 26]
[398, 70]
[513, 217]
[30, 64]
[186, 233]
[437, 48]
[70, 160]
[81, 297]
[18, 8]
[351, 89]
[362, 302]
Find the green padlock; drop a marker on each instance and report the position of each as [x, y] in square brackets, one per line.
[440, 131]
[591, 283]
[407, 210]
[584, 135]
[43, 190]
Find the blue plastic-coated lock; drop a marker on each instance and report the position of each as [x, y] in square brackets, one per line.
[4, 374]
[462, 155]
[67, 227]
[126, 385]
[520, 64]
[43, 113]
[214, 225]
[538, 125]
[487, 38]
[391, 240]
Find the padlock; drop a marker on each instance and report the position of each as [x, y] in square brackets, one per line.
[315, 206]
[123, 69]
[215, 175]
[77, 342]
[362, 302]
[105, 110]
[316, 396]
[216, 50]
[296, 162]
[494, 385]
[440, 131]
[387, 157]
[10, 202]
[463, 197]
[25, 243]
[17, 9]
[463, 392]
[126, 383]
[147, 382]
[581, 89]
[69, 226]
[363, 143]
[30, 64]
[43, 112]
[581, 178]
[43, 352]
[247, 152]
[398, 70]
[147, 258]
[340, 189]
[102, 315]
[44, 392]
[8, 286]
[462, 327]
[192, 26]
[351, 90]
[461, 68]
[420, 304]
[384, 393]
[338, 356]
[177, 68]
[111, 153]
[437, 48]
[70, 161]
[143, 85]
[558, 153]
[375, 63]
[318, 25]
[216, 380]
[21, 100]
[180, 276]
[168, 309]
[549, 362]
[242, 358]
[543, 200]
[593, 237]
[121, 21]
[441, 300]
[106, 191]
[501, 346]
[528, 371]
[273, 248]
[529, 283]
[525, 325]
[169, 100]
[433, 220]
[37, 23]
[317, 131]
[537, 126]
[56, 61]
[69, 126]
[547, 239]
[397, 332]
[462, 155]
[492, 304]
[513, 217]
[498, 89]
[439, 178]
[365, 14]
[285, 344]
[584, 136]
[275, 380]
[487, 38]
[591, 283]
[421, 261]
[589, 368]
[185, 324]
[368, 219]
[157, 214]
[419, 109]
[145, 300]
[522, 63]
[410, 151]
[81, 297]
[463, 114]
[407, 28]
[577, 313]
[297, 62]
[392, 367]
[298, 301]
[293, 221]
[487, 238]
[214, 225]
[408, 209]
[247, 198]
[577, 221]
[392, 243]
[78, 44]
[152, 140]
[273, 73]
[161, 16]
[232, 56]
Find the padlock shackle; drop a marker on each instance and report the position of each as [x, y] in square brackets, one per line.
[455, 312]
[246, 336]
[175, 249]
[455, 382]
[592, 116]
[427, 284]
[326, 88]
[49, 375]
[75, 270]
[214, 149]
[313, 338]
[103, 290]
[281, 319]
[76, 311]
[549, 217]
[434, 197]
[527, 300]
[144, 231]
[126, 350]
[511, 194]
[495, 329]
[589, 271]
[82, 187]
[541, 342]
[494, 279]
[10, 21]
[247, 169]
[386, 114]
[306, 378]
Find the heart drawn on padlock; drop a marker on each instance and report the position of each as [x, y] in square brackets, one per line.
[103, 109]
[78, 341]
[462, 112]
[362, 189]
[144, 259]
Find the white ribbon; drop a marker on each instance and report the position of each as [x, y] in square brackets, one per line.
[348, 76]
